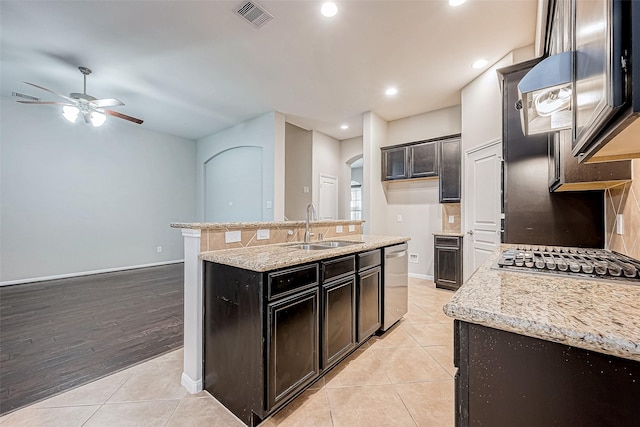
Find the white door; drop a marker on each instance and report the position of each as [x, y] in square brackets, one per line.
[328, 202]
[483, 169]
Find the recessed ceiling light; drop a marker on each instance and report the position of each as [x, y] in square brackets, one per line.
[391, 91]
[455, 3]
[329, 9]
[479, 63]
[344, 127]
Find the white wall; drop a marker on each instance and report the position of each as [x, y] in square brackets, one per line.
[264, 132]
[374, 203]
[417, 202]
[80, 199]
[350, 150]
[325, 160]
[298, 155]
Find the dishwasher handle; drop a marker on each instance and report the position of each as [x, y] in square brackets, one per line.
[395, 254]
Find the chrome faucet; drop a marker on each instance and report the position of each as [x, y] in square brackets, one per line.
[307, 235]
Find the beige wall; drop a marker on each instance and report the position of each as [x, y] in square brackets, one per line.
[433, 124]
[326, 161]
[625, 200]
[298, 154]
[350, 150]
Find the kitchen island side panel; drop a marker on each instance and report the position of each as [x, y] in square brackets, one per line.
[233, 346]
[515, 380]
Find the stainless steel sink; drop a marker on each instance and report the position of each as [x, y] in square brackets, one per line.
[310, 247]
[337, 243]
[322, 245]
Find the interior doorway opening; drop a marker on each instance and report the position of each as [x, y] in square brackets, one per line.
[355, 210]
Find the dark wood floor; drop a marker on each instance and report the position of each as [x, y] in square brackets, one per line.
[60, 334]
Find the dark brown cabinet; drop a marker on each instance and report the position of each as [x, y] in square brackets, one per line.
[339, 336]
[410, 161]
[447, 265]
[293, 342]
[423, 160]
[567, 174]
[395, 163]
[269, 335]
[450, 184]
[507, 379]
[369, 294]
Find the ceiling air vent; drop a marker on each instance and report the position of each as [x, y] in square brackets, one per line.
[255, 14]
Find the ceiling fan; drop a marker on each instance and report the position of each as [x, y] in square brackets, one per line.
[91, 109]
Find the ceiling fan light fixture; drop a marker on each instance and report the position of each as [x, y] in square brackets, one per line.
[70, 113]
[97, 119]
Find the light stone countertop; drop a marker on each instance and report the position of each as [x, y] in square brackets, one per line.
[263, 224]
[272, 257]
[589, 314]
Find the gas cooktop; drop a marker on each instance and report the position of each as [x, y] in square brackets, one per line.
[598, 264]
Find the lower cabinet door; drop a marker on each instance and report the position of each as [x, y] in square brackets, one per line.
[339, 336]
[369, 307]
[293, 334]
[447, 267]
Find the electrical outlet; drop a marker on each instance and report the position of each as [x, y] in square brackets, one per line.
[232, 236]
[399, 218]
[338, 229]
[269, 204]
[305, 189]
[158, 249]
[230, 203]
[451, 219]
[262, 234]
[619, 224]
[352, 228]
[413, 258]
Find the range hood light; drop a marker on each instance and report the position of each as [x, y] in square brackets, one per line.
[546, 95]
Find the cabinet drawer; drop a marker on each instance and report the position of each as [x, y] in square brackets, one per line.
[368, 259]
[450, 241]
[338, 267]
[284, 282]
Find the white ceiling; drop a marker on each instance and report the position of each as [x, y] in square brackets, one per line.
[192, 68]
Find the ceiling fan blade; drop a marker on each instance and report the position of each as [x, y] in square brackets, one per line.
[107, 102]
[123, 116]
[50, 91]
[44, 102]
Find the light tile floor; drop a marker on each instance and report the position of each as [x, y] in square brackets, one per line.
[403, 378]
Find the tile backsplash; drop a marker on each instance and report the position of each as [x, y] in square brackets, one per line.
[451, 209]
[214, 239]
[624, 199]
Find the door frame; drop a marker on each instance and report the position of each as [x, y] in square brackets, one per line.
[467, 242]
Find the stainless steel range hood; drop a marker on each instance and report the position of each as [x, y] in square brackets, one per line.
[545, 94]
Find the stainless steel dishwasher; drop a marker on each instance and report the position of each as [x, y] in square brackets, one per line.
[396, 284]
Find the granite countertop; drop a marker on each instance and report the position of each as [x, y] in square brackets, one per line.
[589, 314]
[273, 257]
[263, 224]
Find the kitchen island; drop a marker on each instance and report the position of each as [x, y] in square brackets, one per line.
[265, 319]
[537, 350]
[278, 317]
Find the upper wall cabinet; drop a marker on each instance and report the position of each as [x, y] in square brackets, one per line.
[426, 159]
[395, 163]
[409, 161]
[423, 159]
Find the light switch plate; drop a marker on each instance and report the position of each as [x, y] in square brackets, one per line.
[352, 228]
[399, 218]
[232, 236]
[262, 234]
[338, 229]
